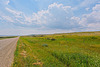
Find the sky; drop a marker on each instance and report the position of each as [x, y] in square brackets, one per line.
[23, 17]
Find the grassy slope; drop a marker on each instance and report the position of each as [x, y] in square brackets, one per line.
[67, 50]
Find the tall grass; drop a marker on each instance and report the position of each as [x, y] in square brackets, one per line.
[59, 50]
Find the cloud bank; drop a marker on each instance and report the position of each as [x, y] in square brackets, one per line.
[55, 17]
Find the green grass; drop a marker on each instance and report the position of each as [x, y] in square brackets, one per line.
[7, 37]
[58, 50]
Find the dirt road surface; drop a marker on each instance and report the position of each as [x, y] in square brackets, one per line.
[7, 48]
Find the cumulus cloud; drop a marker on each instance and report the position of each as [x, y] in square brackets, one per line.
[96, 8]
[57, 16]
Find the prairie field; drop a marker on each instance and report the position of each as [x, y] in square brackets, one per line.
[58, 50]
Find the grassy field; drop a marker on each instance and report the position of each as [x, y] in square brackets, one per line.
[59, 50]
[7, 37]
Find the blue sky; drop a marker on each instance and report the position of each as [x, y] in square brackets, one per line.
[22, 17]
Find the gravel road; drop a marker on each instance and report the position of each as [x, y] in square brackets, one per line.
[7, 48]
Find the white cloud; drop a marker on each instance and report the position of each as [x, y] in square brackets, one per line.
[86, 3]
[94, 25]
[16, 13]
[4, 2]
[96, 8]
[7, 19]
[56, 16]
[87, 9]
[19, 17]
[92, 19]
[7, 2]
[75, 18]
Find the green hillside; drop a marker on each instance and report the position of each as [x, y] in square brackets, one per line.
[59, 50]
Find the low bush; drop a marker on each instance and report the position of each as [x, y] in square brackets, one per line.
[45, 45]
[53, 39]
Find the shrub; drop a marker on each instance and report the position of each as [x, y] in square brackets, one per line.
[53, 39]
[45, 45]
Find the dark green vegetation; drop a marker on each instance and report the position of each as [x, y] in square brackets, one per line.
[58, 50]
[7, 37]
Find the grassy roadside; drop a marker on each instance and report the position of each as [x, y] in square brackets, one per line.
[59, 50]
[7, 37]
